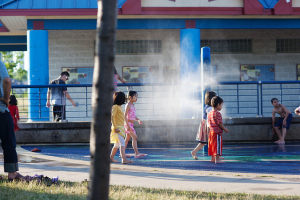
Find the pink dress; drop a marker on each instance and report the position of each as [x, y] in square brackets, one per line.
[130, 116]
[115, 82]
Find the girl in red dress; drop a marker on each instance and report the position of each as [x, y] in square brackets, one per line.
[14, 111]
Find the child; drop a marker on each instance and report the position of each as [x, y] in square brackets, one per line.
[117, 134]
[214, 120]
[116, 78]
[130, 117]
[14, 111]
[203, 129]
[285, 121]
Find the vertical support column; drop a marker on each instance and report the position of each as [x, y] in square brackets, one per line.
[189, 70]
[38, 74]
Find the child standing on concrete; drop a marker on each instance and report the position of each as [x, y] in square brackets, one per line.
[214, 120]
[117, 134]
[130, 118]
[203, 130]
[14, 111]
[283, 123]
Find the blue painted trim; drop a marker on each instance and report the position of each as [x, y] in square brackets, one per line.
[7, 2]
[13, 47]
[13, 39]
[268, 4]
[49, 4]
[66, 24]
[151, 24]
[79, 24]
[120, 3]
[38, 73]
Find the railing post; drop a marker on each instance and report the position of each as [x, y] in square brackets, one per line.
[238, 98]
[281, 93]
[86, 103]
[257, 89]
[261, 99]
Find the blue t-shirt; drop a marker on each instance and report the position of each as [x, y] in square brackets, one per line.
[206, 110]
[3, 75]
[57, 93]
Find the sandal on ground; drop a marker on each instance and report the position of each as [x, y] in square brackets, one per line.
[140, 155]
[17, 177]
[35, 150]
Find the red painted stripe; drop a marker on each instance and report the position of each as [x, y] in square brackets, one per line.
[296, 11]
[3, 29]
[47, 12]
[192, 11]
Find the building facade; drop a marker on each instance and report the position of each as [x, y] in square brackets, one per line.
[158, 40]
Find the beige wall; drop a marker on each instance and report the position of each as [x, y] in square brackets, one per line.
[192, 3]
[296, 3]
[75, 49]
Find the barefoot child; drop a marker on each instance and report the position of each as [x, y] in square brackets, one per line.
[117, 134]
[203, 128]
[283, 123]
[14, 111]
[130, 118]
[214, 120]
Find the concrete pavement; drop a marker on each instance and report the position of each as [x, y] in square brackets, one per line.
[130, 175]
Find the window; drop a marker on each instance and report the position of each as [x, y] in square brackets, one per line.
[138, 46]
[228, 46]
[288, 46]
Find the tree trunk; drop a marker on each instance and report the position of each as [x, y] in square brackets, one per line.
[102, 99]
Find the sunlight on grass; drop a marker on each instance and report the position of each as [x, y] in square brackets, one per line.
[73, 191]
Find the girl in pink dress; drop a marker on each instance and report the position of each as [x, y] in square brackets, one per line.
[14, 111]
[130, 118]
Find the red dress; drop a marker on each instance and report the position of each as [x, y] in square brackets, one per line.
[215, 145]
[14, 112]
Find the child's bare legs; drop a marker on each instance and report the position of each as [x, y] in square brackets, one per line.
[217, 159]
[123, 155]
[113, 153]
[194, 152]
[213, 159]
[281, 139]
[134, 143]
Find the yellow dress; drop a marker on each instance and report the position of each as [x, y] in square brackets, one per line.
[117, 120]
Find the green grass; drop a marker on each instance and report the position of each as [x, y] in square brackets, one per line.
[73, 191]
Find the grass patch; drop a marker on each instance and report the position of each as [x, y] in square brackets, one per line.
[124, 192]
[73, 191]
[35, 191]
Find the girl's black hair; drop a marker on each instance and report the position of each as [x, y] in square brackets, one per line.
[115, 70]
[13, 100]
[119, 98]
[208, 96]
[215, 101]
[131, 94]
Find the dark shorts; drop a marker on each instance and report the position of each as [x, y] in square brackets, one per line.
[288, 122]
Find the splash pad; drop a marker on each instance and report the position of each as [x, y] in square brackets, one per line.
[267, 158]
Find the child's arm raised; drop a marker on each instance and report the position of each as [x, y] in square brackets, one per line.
[119, 77]
[114, 112]
[126, 113]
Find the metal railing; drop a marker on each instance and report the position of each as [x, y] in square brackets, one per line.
[166, 101]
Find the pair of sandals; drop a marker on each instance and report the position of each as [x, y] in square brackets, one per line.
[18, 177]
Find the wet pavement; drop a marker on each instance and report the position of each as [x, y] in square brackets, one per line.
[266, 158]
[251, 168]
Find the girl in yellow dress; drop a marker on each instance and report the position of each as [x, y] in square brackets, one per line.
[117, 135]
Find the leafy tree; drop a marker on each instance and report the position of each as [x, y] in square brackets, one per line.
[11, 64]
